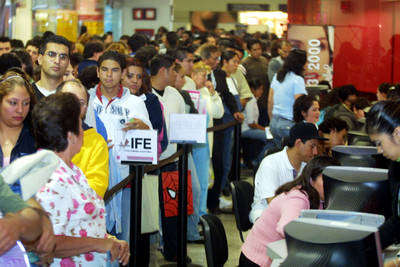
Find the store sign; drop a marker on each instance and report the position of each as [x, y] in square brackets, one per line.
[248, 7]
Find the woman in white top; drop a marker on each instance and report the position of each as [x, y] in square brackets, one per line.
[210, 103]
[287, 85]
[76, 211]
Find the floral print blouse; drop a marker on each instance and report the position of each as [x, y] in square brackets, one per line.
[75, 210]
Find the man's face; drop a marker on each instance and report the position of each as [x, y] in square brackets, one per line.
[110, 74]
[54, 61]
[308, 150]
[255, 50]
[187, 63]
[213, 60]
[285, 50]
[170, 75]
[5, 48]
[33, 51]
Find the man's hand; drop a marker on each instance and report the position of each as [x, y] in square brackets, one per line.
[10, 231]
[135, 124]
[238, 116]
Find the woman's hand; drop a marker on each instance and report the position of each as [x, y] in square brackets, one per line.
[135, 124]
[119, 249]
[210, 87]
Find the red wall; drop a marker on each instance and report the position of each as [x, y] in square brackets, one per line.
[367, 40]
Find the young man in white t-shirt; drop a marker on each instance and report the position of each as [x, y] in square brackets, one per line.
[282, 167]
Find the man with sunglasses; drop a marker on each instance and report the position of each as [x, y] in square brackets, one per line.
[53, 60]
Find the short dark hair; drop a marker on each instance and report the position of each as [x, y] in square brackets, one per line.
[252, 42]
[226, 56]
[91, 48]
[383, 117]
[57, 39]
[333, 124]
[52, 118]
[25, 59]
[9, 60]
[182, 52]
[255, 83]
[113, 55]
[361, 103]
[345, 91]
[207, 50]
[137, 41]
[384, 88]
[88, 76]
[160, 61]
[5, 39]
[145, 54]
[172, 39]
[302, 104]
[16, 43]
[34, 42]
[75, 59]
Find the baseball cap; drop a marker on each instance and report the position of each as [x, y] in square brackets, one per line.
[304, 131]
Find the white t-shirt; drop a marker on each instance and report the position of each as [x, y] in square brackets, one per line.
[274, 171]
[251, 114]
[172, 102]
[232, 85]
[44, 91]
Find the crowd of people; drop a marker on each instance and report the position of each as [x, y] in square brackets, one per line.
[65, 103]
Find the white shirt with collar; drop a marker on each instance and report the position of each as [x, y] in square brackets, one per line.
[172, 102]
[274, 171]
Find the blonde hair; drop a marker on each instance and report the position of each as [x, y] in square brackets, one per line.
[201, 67]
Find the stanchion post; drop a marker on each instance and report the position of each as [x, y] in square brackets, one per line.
[136, 213]
[182, 205]
[236, 152]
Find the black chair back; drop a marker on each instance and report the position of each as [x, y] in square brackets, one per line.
[242, 197]
[216, 245]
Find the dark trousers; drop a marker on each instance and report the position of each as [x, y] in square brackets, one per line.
[169, 225]
[245, 262]
[217, 161]
[144, 250]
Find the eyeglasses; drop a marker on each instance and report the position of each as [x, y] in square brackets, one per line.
[53, 55]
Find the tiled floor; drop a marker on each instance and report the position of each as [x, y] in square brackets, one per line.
[197, 252]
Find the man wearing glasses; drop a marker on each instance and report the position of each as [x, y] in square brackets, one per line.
[53, 60]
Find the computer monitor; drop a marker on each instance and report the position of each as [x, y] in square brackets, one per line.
[362, 218]
[361, 156]
[357, 189]
[314, 242]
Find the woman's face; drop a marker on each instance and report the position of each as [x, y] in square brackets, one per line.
[199, 79]
[15, 107]
[180, 79]
[69, 73]
[388, 145]
[231, 65]
[133, 79]
[312, 114]
[318, 185]
[80, 93]
[77, 143]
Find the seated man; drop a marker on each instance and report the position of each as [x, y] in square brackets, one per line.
[336, 131]
[282, 167]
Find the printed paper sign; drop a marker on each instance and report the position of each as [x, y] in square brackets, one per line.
[15, 257]
[195, 96]
[187, 128]
[136, 146]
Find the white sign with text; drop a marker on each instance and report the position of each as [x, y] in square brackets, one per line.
[136, 146]
[188, 128]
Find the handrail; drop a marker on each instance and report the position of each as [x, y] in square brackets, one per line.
[162, 163]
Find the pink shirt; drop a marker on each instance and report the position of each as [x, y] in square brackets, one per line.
[269, 227]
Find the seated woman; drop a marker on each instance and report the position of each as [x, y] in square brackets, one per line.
[305, 192]
[76, 211]
[306, 108]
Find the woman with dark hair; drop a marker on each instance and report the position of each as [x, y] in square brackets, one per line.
[226, 85]
[305, 192]
[287, 85]
[76, 211]
[383, 127]
[306, 108]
